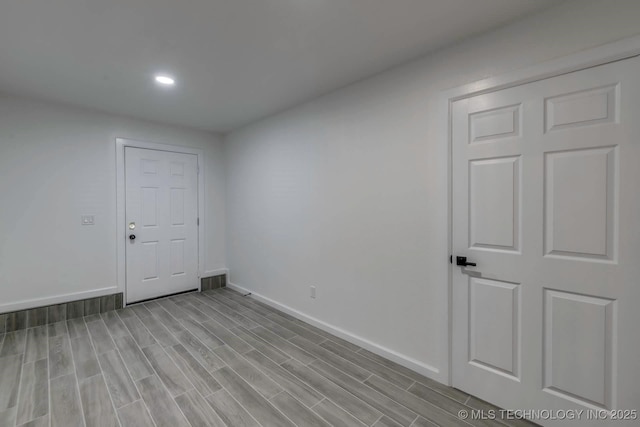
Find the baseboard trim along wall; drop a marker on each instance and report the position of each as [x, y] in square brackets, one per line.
[43, 311]
[46, 314]
[410, 363]
[57, 299]
[216, 272]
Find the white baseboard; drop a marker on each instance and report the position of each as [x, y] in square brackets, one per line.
[216, 272]
[58, 299]
[408, 362]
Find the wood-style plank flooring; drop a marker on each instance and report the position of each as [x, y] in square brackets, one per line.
[211, 359]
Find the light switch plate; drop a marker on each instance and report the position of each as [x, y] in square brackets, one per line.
[88, 220]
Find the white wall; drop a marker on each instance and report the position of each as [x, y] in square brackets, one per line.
[58, 163]
[349, 192]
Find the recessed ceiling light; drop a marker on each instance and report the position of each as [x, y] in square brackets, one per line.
[165, 80]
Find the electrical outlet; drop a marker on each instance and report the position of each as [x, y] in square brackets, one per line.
[313, 291]
[88, 220]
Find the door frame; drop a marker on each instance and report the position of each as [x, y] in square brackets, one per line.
[610, 52]
[121, 220]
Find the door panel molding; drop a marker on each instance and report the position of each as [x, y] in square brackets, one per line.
[121, 239]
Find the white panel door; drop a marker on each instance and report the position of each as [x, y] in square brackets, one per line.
[161, 220]
[546, 202]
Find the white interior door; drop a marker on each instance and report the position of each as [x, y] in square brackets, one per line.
[546, 202]
[162, 223]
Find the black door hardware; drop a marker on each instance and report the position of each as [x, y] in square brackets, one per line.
[132, 237]
[462, 261]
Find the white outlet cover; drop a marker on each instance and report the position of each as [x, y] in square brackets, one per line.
[87, 220]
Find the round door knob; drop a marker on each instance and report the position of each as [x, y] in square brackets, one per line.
[132, 237]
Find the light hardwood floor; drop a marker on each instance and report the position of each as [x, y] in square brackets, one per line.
[211, 359]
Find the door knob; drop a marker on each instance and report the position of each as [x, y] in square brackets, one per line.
[132, 237]
[462, 261]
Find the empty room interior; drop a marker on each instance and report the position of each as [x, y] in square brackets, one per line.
[313, 213]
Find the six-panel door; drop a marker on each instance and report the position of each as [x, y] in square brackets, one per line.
[546, 202]
[161, 219]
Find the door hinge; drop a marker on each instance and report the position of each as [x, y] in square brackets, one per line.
[198, 221]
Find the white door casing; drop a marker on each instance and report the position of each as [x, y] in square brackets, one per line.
[544, 201]
[161, 223]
